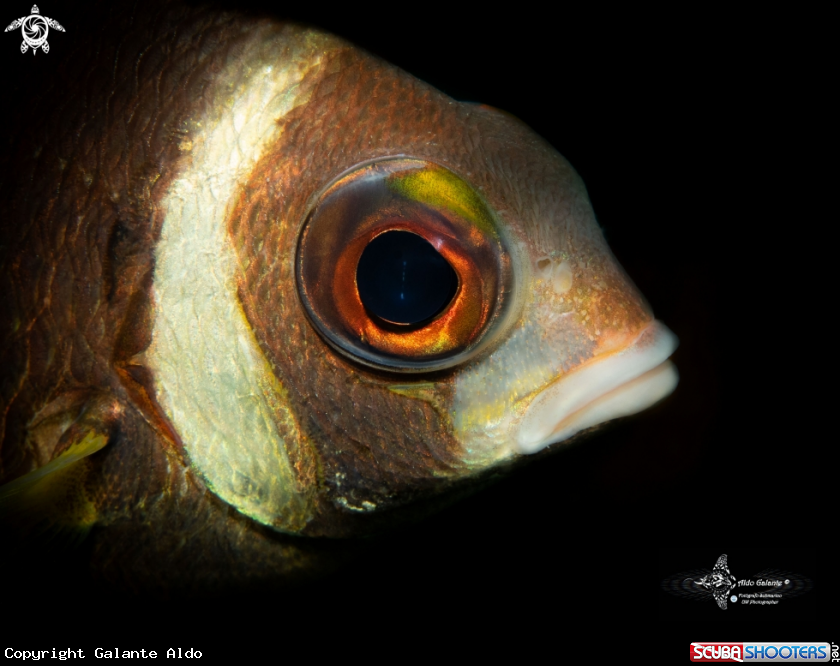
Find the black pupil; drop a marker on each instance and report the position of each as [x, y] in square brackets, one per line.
[403, 280]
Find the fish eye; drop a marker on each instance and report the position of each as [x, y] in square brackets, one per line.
[402, 265]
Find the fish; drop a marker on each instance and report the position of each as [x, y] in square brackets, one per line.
[189, 345]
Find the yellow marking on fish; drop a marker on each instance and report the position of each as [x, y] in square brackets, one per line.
[443, 189]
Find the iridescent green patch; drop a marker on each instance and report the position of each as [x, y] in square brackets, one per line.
[440, 188]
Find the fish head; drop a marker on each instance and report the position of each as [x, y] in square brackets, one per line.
[316, 297]
[538, 336]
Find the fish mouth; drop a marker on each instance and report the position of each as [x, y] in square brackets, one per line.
[617, 384]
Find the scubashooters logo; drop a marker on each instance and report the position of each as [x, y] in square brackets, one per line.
[761, 652]
[35, 29]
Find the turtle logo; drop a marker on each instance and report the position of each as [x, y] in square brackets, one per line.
[34, 29]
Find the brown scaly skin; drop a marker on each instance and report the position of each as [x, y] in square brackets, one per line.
[75, 269]
[90, 172]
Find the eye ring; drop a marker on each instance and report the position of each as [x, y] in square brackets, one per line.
[424, 199]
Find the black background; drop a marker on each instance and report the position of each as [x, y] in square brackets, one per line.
[670, 121]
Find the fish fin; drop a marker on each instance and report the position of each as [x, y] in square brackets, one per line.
[53, 501]
[56, 500]
[47, 426]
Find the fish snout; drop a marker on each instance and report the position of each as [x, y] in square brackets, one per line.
[615, 384]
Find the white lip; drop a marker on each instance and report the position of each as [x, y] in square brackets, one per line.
[620, 384]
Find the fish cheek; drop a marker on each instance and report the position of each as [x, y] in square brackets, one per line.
[375, 448]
